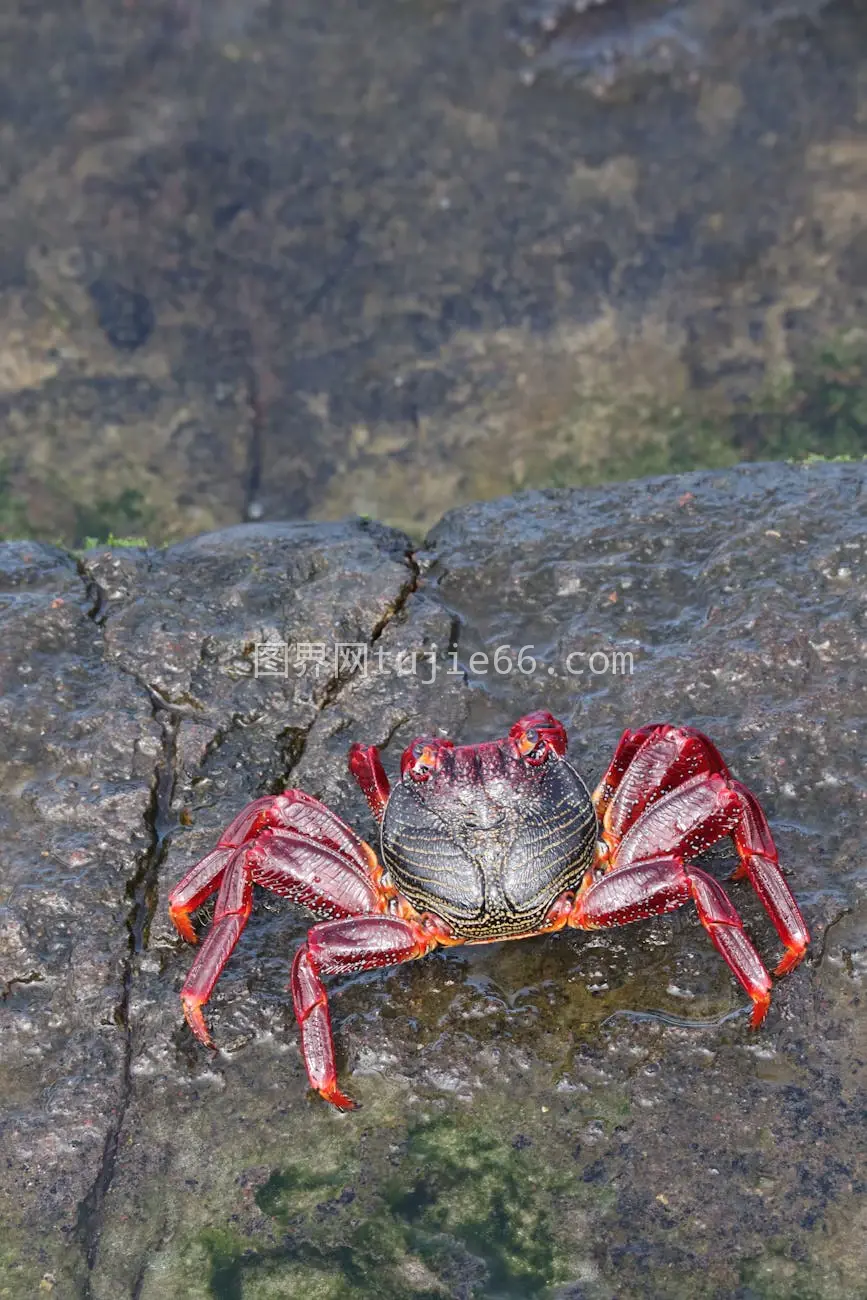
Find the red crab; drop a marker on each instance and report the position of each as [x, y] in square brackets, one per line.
[500, 840]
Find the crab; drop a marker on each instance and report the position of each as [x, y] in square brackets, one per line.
[478, 843]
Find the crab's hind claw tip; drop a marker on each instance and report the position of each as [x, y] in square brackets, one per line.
[194, 1018]
[791, 958]
[182, 923]
[339, 1100]
[761, 1003]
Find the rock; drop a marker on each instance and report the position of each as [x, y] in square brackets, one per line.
[616, 51]
[78, 745]
[124, 315]
[582, 1115]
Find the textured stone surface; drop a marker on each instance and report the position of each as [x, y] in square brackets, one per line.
[581, 1116]
[619, 50]
[78, 743]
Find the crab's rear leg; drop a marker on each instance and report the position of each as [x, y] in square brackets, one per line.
[330, 881]
[339, 947]
[234, 903]
[662, 884]
[650, 874]
[650, 766]
[758, 855]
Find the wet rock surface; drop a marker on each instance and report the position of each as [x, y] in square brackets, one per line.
[580, 1116]
[618, 49]
[317, 258]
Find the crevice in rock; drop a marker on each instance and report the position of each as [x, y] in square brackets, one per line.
[221, 734]
[159, 1241]
[142, 889]
[454, 634]
[292, 742]
[98, 614]
[142, 894]
[90, 1210]
[255, 447]
[389, 736]
[816, 957]
[259, 383]
[402, 599]
[95, 593]
[30, 977]
[293, 750]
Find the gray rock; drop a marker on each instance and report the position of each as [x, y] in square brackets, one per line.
[79, 744]
[574, 1116]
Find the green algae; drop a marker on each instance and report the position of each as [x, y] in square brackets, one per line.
[124, 543]
[123, 516]
[14, 519]
[818, 414]
[459, 1205]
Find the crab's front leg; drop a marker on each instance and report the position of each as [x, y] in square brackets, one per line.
[627, 747]
[293, 810]
[205, 877]
[660, 885]
[758, 855]
[651, 873]
[295, 847]
[340, 947]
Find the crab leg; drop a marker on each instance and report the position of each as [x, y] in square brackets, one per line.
[326, 879]
[651, 875]
[198, 884]
[366, 766]
[663, 759]
[686, 822]
[234, 903]
[758, 855]
[338, 947]
[627, 747]
[292, 809]
[657, 760]
[662, 884]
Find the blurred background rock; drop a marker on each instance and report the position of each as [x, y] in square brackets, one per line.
[307, 259]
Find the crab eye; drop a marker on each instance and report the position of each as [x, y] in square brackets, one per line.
[424, 764]
[530, 746]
